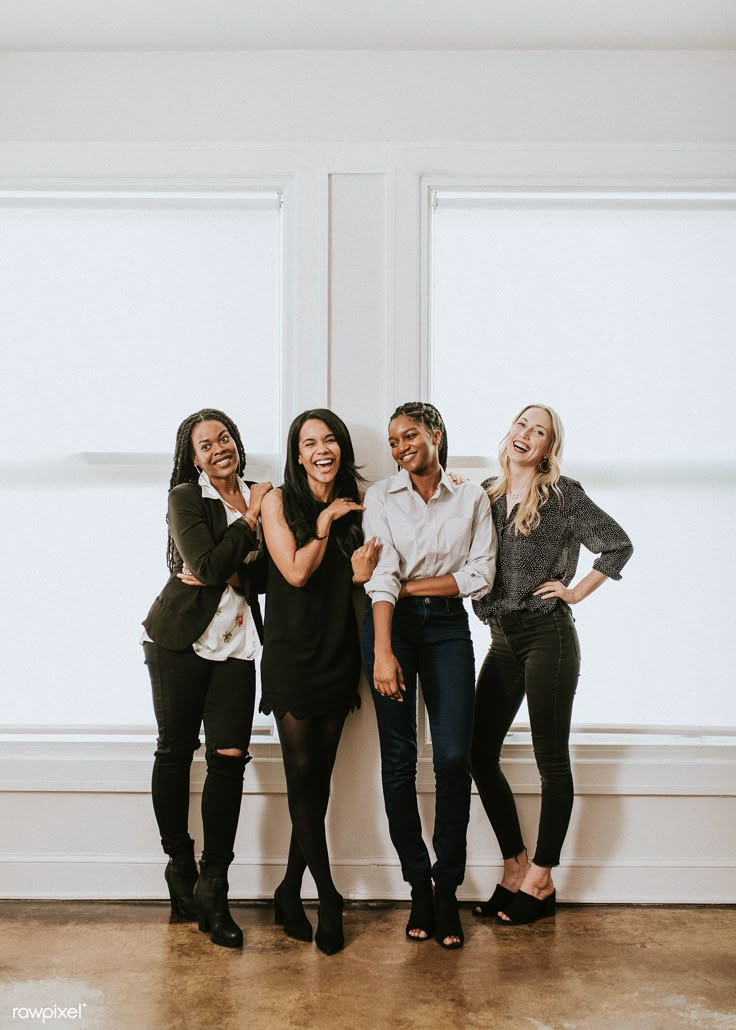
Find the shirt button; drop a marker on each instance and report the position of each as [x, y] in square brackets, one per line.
[427, 600]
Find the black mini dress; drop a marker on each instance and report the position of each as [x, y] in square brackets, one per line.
[311, 654]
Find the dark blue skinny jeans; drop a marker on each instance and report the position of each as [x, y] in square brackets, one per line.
[536, 654]
[431, 640]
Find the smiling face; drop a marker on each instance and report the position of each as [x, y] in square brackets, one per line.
[319, 454]
[414, 447]
[214, 449]
[530, 438]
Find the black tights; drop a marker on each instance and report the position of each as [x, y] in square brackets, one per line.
[309, 747]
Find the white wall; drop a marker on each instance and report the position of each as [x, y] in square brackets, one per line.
[353, 137]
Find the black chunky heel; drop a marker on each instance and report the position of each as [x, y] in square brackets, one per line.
[210, 896]
[525, 908]
[489, 909]
[181, 875]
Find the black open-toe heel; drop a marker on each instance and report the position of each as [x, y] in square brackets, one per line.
[291, 915]
[421, 916]
[525, 908]
[447, 918]
[501, 897]
[329, 936]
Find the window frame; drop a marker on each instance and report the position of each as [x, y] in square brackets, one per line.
[141, 468]
[489, 189]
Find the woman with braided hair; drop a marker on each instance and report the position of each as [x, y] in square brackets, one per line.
[200, 642]
[437, 547]
[541, 519]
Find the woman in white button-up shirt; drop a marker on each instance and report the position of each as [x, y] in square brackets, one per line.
[437, 547]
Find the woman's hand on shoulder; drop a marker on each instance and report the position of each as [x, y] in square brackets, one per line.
[364, 560]
[257, 492]
[334, 511]
[341, 506]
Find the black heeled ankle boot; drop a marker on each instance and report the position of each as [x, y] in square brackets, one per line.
[329, 936]
[210, 897]
[289, 913]
[421, 916]
[181, 875]
[447, 918]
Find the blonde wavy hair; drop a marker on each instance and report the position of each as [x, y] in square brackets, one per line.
[543, 482]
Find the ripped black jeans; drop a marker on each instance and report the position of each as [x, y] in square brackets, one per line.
[536, 654]
[188, 691]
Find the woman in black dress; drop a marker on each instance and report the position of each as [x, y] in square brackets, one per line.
[311, 655]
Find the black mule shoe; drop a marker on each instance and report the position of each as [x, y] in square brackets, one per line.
[447, 918]
[291, 916]
[181, 875]
[525, 908]
[210, 896]
[329, 936]
[501, 897]
[421, 916]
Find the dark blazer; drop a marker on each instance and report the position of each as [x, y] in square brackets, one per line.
[212, 551]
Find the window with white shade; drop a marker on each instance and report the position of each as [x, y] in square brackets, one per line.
[122, 312]
[617, 309]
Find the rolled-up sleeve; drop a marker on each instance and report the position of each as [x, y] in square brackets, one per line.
[475, 578]
[385, 583]
[603, 536]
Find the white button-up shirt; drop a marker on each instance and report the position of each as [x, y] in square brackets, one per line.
[232, 632]
[452, 533]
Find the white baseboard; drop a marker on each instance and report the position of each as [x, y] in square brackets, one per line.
[89, 877]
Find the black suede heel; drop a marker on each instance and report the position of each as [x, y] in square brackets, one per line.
[329, 936]
[291, 915]
[525, 908]
[421, 916]
[447, 918]
[489, 909]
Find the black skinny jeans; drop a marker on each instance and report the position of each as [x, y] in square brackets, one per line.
[187, 691]
[536, 654]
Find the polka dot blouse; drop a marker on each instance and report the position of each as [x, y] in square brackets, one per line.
[551, 551]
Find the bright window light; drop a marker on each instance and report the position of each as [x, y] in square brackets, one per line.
[122, 312]
[618, 310]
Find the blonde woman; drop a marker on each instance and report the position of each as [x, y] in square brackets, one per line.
[541, 519]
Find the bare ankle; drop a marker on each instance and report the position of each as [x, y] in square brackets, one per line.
[515, 870]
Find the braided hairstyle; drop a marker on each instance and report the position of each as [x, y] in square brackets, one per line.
[429, 416]
[184, 470]
[300, 507]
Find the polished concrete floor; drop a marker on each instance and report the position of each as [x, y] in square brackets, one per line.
[115, 966]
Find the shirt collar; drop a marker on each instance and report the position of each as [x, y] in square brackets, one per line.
[402, 481]
[211, 494]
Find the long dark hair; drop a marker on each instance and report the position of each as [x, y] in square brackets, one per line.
[184, 470]
[300, 507]
[429, 416]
